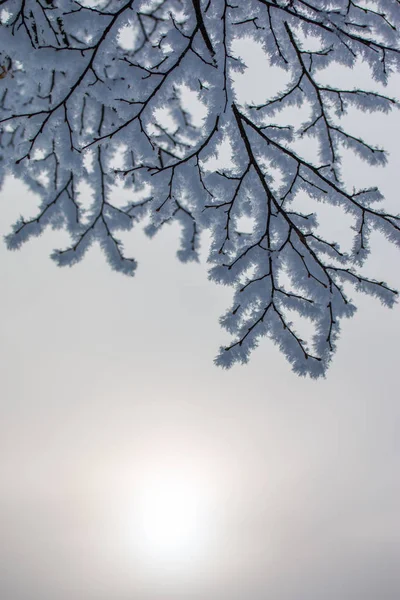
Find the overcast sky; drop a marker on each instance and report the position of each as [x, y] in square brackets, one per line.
[107, 380]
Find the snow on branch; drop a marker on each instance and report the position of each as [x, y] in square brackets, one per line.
[83, 81]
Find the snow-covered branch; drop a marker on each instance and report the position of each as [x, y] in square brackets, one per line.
[153, 83]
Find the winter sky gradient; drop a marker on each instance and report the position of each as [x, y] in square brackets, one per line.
[108, 382]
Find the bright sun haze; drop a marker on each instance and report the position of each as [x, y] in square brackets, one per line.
[171, 522]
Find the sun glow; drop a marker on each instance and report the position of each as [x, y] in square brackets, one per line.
[172, 521]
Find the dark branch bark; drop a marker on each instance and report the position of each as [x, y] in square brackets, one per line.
[202, 27]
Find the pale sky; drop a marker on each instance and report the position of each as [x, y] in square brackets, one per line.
[108, 390]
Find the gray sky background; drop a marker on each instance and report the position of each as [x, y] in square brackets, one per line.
[104, 379]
